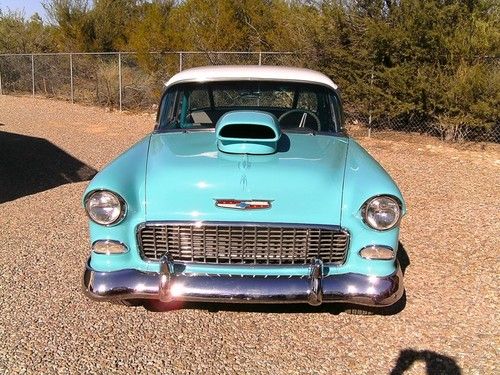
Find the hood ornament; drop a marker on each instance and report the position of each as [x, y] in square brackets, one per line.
[243, 204]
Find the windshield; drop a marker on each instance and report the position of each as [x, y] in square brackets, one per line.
[297, 106]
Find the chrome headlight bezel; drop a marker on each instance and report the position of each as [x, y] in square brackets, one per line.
[121, 204]
[370, 222]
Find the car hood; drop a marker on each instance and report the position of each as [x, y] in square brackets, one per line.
[186, 173]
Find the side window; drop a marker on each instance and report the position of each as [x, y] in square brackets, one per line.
[308, 100]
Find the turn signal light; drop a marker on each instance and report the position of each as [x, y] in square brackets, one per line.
[377, 252]
[108, 247]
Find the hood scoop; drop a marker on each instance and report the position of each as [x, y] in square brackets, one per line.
[248, 132]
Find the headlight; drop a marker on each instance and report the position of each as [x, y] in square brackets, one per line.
[105, 207]
[381, 213]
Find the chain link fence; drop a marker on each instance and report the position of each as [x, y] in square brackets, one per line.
[361, 124]
[134, 81]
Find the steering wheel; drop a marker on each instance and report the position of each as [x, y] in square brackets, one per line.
[302, 122]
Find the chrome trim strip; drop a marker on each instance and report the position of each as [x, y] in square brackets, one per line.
[244, 223]
[346, 288]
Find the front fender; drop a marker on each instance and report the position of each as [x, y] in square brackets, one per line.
[365, 178]
[126, 176]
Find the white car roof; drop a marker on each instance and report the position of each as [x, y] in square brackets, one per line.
[251, 72]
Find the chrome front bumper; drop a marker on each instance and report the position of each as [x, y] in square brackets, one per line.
[314, 289]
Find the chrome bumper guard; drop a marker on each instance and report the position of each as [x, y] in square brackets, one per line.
[314, 289]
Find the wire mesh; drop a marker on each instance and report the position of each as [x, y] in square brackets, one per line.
[52, 76]
[15, 71]
[96, 79]
[135, 82]
[192, 60]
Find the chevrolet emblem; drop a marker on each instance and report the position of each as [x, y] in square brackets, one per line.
[243, 204]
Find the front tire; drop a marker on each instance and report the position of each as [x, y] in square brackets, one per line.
[393, 309]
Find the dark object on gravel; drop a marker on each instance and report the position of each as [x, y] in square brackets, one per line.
[30, 165]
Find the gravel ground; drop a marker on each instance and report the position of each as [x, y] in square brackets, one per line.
[451, 237]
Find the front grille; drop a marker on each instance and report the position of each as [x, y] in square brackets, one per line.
[243, 244]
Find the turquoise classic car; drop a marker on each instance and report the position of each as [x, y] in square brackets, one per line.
[248, 190]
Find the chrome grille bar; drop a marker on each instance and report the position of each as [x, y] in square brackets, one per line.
[243, 243]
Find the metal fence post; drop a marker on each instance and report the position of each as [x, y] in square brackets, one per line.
[260, 58]
[180, 61]
[120, 79]
[1, 91]
[71, 78]
[370, 108]
[33, 75]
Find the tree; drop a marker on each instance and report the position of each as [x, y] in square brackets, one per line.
[73, 27]
[111, 20]
[435, 60]
[21, 35]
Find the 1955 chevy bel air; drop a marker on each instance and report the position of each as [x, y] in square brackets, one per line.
[247, 190]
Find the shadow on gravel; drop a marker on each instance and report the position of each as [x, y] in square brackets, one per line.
[403, 258]
[29, 165]
[335, 308]
[287, 308]
[435, 363]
